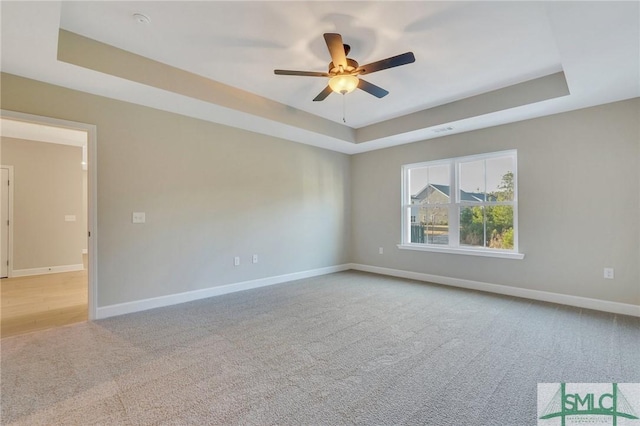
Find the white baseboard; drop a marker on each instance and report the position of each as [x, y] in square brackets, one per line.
[174, 299]
[563, 299]
[46, 270]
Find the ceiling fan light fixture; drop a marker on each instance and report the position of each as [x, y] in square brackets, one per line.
[344, 72]
[343, 83]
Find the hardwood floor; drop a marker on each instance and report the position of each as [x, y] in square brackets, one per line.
[42, 301]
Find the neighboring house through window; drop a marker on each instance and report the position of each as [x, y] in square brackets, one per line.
[464, 205]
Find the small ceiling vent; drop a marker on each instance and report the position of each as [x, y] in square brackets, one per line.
[141, 19]
[442, 129]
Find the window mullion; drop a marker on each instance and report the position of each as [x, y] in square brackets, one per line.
[406, 199]
[484, 224]
[454, 209]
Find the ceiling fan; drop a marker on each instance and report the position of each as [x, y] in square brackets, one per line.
[343, 72]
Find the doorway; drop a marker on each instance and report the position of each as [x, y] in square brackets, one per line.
[75, 279]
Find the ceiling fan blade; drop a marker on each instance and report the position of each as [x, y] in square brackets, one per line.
[394, 61]
[336, 49]
[322, 95]
[376, 91]
[301, 73]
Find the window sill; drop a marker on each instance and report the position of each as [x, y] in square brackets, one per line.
[464, 251]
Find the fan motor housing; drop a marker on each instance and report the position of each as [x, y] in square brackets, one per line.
[351, 66]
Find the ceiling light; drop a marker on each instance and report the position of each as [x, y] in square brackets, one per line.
[141, 19]
[343, 83]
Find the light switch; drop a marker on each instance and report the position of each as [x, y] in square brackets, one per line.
[70, 218]
[138, 217]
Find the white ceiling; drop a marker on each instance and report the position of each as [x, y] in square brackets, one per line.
[462, 49]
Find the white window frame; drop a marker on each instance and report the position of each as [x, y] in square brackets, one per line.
[454, 206]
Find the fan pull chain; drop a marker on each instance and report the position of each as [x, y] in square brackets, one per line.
[344, 108]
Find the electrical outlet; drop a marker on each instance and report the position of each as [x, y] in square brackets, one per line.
[255, 258]
[380, 250]
[236, 261]
[608, 273]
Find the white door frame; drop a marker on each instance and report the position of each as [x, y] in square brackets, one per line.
[92, 191]
[10, 241]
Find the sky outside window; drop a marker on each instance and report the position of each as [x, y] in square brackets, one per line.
[471, 175]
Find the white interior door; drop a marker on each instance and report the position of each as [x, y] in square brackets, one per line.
[4, 224]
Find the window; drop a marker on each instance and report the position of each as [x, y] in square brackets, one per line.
[464, 205]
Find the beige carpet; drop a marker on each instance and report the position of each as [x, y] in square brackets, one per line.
[347, 348]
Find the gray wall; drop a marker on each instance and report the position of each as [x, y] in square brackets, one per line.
[47, 186]
[579, 204]
[210, 193]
